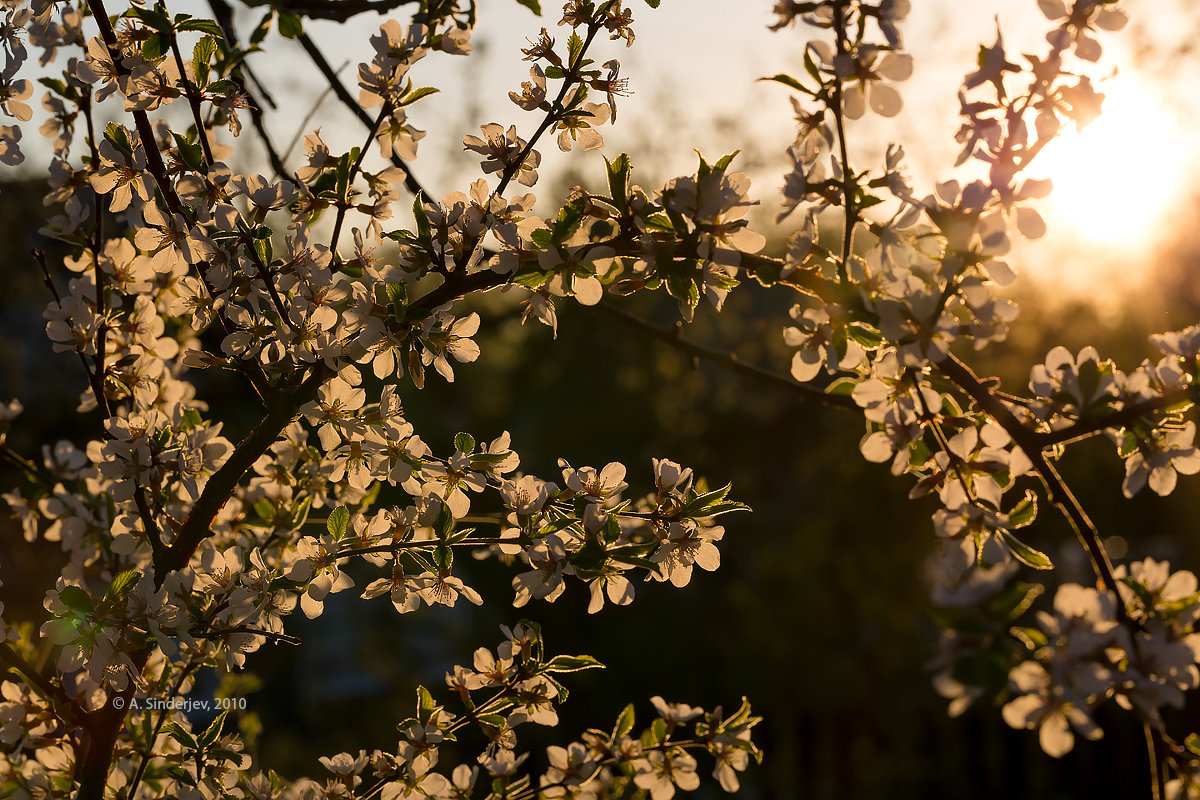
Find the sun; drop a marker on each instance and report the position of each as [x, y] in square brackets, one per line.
[1116, 180]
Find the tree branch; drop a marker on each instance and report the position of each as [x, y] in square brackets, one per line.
[54, 695]
[1058, 491]
[340, 10]
[198, 525]
[1084, 427]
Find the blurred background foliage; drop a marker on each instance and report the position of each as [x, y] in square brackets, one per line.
[820, 613]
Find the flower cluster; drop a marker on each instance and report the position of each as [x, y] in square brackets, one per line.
[189, 538]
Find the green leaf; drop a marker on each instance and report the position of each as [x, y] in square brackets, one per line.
[464, 443]
[424, 231]
[717, 509]
[121, 586]
[531, 277]
[182, 775]
[1017, 599]
[156, 46]
[339, 518]
[653, 3]
[865, 335]
[118, 138]
[443, 557]
[842, 387]
[202, 54]
[532, 5]
[572, 664]
[788, 80]
[1023, 512]
[624, 722]
[1144, 594]
[1024, 553]
[299, 512]
[75, 598]
[191, 419]
[263, 28]
[655, 734]
[574, 48]
[425, 705]
[443, 526]
[176, 732]
[810, 66]
[695, 506]
[265, 509]
[160, 22]
[741, 718]
[191, 154]
[398, 297]
[213, 731]
[290, 25]
[725, 161]
[60, 88]
[416, 94]
[202, 25]
[222, 754]
[618, 179]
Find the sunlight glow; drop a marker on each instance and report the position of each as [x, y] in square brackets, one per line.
[1115, 181]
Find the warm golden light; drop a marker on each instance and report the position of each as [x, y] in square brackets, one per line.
[1115, 180]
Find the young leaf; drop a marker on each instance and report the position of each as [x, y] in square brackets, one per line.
[121, 586]
[202, 25]
[176, 732]
[425, 705]
[339, 518]
[1023, 512]
[1024, 553]
[572, 664]
[416, 94]
[160, 22]
[788, 80]
[290, 26]
[624, 722]
[213, 731]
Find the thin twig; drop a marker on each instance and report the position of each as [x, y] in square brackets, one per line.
[726, 361]
[240, 75]
[851, 216]
[193, 98]
[410, 182]
[1156, 788]
[52, 694]
[1089, 426]
[162, 718]
[1058, 491]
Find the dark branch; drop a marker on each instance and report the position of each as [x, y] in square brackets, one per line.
[198, 525]
[340, 10]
